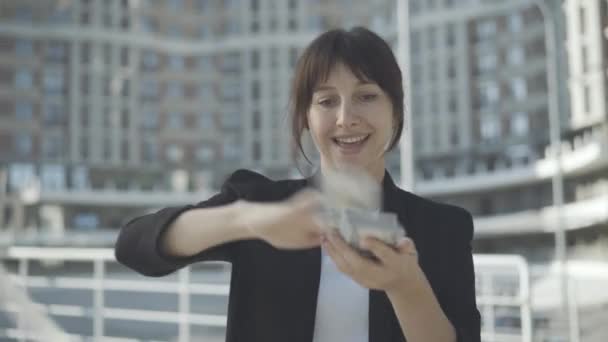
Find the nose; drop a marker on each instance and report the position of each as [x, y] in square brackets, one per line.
[347, 116]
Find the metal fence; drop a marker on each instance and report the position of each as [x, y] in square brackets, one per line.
[90, 297]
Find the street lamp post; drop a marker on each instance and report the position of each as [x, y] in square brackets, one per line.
[557, 180]
[406, 143]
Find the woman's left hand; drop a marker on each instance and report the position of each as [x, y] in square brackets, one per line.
[395, 270]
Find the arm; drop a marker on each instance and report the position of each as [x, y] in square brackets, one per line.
[186, 237]
[220, 227]
[419, 314]
[143, 245]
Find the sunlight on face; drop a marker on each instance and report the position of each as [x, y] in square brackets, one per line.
[351, 122]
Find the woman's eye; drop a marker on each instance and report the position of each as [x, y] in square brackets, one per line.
[368, 97]
[326, 102]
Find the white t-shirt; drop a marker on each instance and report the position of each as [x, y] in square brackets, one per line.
[342, 306]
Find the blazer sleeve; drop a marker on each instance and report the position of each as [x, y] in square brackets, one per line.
[138, 243]
[459, 285]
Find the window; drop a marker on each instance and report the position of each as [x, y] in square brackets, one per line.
[52, 113]
[451, 35]
[515, 22]
[582, 18]
[176, 4]
[150, 151]
[519, 88]
[205, 63]
[52, 146]
[176, 63]
[585, 58]
[231, 91]
[149, 24]
[231, 149]
[23, 79]
[23, 111]
[150, 60]
[315, 22]
[206, 91]
[150, 89]
[56, 51]
[205, 154]
[206, 121]
[175, 89]
[255, 90]
[204, 31]
[255, 59]
[175, 120]
[231, 119]
[231, 62]
[23, 15]
[586, 99]
[53, 177]
[20, 175]
[432, 37]
[519, 124]
[516, 55]
[23, 144]
[485, 29]
[490, 127]
[53, 81]
[24, 48]
[150, 119]
[489, 94]
[487, 61]
[175, 153]
[80, 177]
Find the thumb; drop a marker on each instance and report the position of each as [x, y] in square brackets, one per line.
[406, 245]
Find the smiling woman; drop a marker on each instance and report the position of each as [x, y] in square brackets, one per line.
[294, 280]
[347, 91]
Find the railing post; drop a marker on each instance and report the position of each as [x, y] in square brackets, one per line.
[525, 301]
[98, 299]
[184, 305]
[23, 275]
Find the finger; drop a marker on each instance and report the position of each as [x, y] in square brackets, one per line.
[406, 246]
[352, 257]
[338, 259]
[380, 249]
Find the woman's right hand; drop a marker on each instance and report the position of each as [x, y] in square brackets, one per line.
[289, 224]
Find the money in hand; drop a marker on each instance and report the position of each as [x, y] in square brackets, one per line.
[352, 207]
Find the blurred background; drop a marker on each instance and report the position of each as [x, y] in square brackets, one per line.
[110, 109]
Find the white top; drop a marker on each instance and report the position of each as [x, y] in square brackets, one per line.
[342, 306]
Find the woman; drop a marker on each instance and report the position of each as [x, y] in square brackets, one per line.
[291, 281]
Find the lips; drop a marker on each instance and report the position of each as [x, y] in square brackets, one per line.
[351, 144]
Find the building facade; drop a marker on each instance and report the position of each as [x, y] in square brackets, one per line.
[112, 108]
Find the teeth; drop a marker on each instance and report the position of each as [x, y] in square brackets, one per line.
[351, 140]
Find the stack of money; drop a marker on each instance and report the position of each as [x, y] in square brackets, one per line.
[352, 203]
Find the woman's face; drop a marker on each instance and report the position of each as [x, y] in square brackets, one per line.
[351, 122]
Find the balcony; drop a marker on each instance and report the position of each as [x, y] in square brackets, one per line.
[583, 153]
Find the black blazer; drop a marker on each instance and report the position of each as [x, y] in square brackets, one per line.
[273, 293]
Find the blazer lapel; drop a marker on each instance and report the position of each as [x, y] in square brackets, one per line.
[380, 308]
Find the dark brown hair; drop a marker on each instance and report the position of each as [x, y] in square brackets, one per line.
[368, 57]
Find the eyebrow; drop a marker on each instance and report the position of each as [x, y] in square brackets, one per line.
[327, 87]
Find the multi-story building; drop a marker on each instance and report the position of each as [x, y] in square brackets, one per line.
[481, 113]
[111, 107]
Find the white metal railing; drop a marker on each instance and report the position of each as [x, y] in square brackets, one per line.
[503, 297]
[493, 293]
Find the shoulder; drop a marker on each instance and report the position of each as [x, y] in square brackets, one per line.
[451, 219]
[251, 185]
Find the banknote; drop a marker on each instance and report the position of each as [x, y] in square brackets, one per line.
[352, 206]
